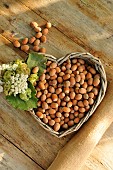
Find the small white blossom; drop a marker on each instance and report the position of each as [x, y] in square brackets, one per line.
[17, 75]
[14, 66]
[23, 91]
[19, 90]
[1, 89]
[26, 85]
[15, 83]
[8, 66]
[26, 76]
[12, 90]
[3, 66]
[16, 88]
[15, 94]
[18, 84]
[22, 75]
[12, 81]
[0, 67]
[12, 78]
[1, 82]
[16, 78]
[12, 86]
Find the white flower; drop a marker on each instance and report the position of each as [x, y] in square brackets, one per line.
[22, 86]
[16, 88]
[3, 66]
[7, 66]
[19, 90]
[17, 75]
[0, 67]
[14, 66]
[12, 78]
[26, 85]
[12, 86]
[12, 90]
[19, 84]
[23, 91]
[12, 81]
[22, 75]
[16, 78]
[15, 94]
[1, 89]
[1, 82]
[15, 83]
[26, 76]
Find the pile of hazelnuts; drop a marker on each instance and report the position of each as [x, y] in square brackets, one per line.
[35, 41]
[66, 93]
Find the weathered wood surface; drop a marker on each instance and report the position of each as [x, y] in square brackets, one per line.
[77, 150]
[22, 130]
[78, 25]
[19, 22]
[12, 158]
[102, 156]
[77, 30]
[87, 23]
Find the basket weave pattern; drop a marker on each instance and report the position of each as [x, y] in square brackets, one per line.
[99, 67]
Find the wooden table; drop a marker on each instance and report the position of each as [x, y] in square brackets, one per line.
[78, 25]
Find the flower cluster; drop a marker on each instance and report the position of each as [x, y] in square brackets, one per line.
[8, 67]
[1, 86]
[14, 79]
[18, 79]
[18, 84]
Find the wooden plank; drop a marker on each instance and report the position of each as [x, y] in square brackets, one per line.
[18, 23]
[100, 11]
[26, 132]
[73, 22]
[21, 129]
[11, 158]
[7, 53]
[102, 156]
[58, 44]
[77, 150]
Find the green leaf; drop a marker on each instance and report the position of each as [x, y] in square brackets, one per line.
[36, 59]
[33, 93]
[18, 103]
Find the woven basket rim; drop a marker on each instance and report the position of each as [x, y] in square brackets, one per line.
[99, 67]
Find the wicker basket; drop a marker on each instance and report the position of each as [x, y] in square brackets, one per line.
[99, 67]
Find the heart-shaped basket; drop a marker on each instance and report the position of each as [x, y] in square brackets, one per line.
[99, 67]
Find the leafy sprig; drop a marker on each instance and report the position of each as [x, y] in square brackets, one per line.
[18, 103]
[34, 59]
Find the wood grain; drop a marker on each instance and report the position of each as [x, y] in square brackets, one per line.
[18, 23]
[22, 130]
[87, 32]
[76, 151]
[102, 156]
[58, 43]
[7, 53]
[80, 25]
[11, 158]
